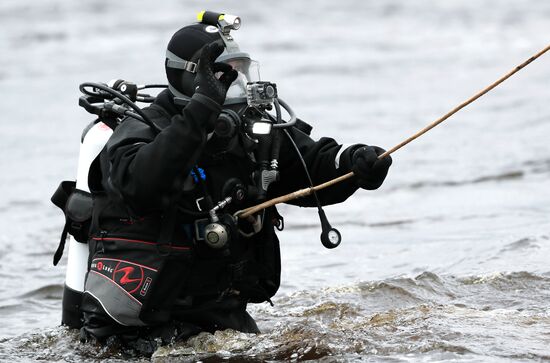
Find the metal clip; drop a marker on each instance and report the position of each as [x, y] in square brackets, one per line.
[198, 203]
[191, 67]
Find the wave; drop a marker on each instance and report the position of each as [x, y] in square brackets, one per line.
[505, 176]
[479, 317]
[45, 292]
[531, 167]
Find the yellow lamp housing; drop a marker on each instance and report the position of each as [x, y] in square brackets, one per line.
[225, 22]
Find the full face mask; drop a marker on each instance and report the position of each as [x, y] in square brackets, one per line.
[248, 98]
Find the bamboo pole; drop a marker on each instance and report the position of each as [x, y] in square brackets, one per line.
[307, 191]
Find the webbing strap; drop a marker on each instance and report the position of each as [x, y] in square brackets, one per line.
[59, 252]
[59, 198]
[173, 61]
[184, 65]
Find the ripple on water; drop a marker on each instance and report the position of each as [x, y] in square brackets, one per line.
[504, 176]
[395, 318]
[45, 292]
[521, 244]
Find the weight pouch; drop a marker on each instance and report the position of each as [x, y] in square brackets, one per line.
[136, 282]
[79, 214]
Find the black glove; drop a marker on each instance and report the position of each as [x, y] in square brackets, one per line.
[370, 171]
[205, 82]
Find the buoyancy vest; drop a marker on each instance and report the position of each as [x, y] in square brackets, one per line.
[141, 267]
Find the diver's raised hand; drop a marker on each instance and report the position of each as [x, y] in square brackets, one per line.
[206, 83]
[370, 171]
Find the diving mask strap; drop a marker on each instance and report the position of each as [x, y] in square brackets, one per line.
[173, 61]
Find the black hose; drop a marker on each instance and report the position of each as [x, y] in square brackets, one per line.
[153, 86]
[289, 123]
[145, 98]
[276, 146]
[122, 97]
[317, 201]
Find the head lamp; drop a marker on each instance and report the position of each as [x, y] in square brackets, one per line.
[225, 22]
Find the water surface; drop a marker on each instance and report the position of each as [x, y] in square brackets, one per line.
[447, 261]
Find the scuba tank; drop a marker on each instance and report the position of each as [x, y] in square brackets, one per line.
[111, 103]
[77, 262]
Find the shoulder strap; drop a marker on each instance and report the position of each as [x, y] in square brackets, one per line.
[59, 198]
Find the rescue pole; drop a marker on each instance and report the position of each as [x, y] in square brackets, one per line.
[307, 191]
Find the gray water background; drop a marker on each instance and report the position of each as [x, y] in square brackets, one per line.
[448, 260]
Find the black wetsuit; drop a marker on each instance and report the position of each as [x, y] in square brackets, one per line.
[139, 175]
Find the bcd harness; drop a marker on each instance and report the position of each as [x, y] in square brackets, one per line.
[162, 264]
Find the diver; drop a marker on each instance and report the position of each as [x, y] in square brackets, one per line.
[167, 256]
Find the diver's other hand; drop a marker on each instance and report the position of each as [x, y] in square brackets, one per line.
[206, 82]
[370, 171]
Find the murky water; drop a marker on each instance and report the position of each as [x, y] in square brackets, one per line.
[447, 261]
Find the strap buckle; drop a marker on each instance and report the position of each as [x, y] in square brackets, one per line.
[182, 64]
[191, 67]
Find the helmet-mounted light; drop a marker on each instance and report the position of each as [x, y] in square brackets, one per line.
[225, 22]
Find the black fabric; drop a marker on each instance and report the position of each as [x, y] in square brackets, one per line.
[319, 157]
[208, 102]
[147, 170]
[212, 315]
[189, 39]
[209, 316]
[186, 43]
[79, 210]
[77, 206]
[304, 127]
[141, 174]
[206, 83]
[146, 274]
[59, 199]
[370, 171]
[62, 193]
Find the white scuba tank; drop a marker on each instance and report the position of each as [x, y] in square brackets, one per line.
[77, 264]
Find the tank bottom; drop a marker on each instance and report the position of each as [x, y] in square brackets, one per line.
[71, 315]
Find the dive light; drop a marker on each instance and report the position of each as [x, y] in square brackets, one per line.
[226, 22]
[261, 128]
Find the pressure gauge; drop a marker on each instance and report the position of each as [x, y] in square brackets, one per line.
[331, 238]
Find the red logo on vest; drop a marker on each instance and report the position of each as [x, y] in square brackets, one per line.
[128, 277]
